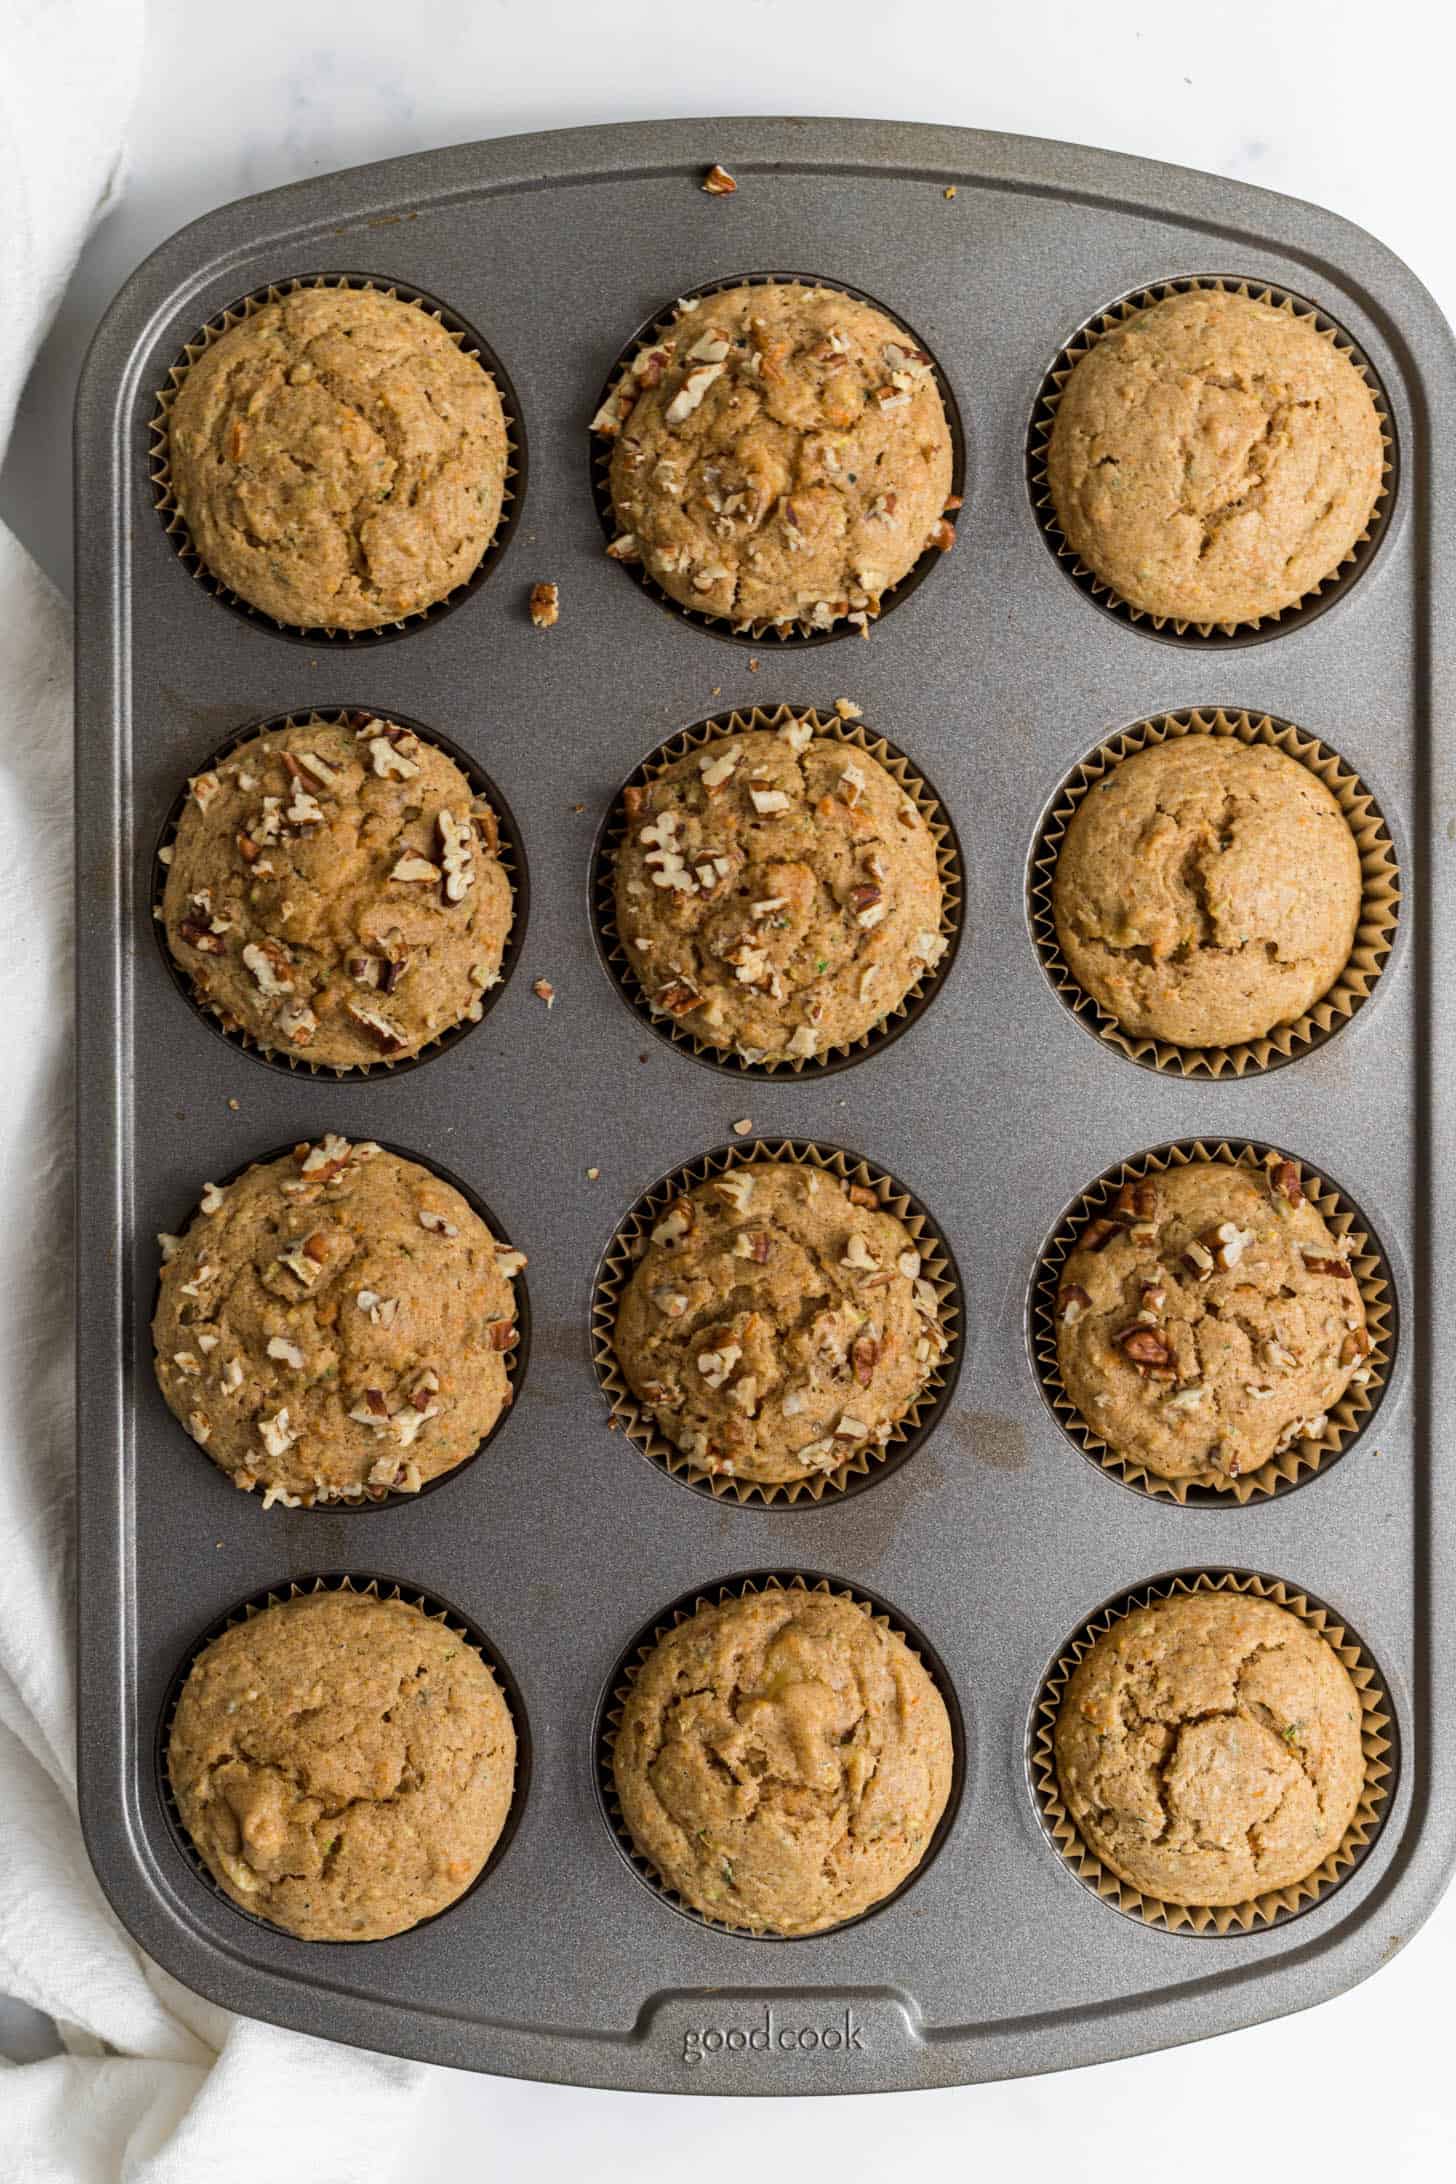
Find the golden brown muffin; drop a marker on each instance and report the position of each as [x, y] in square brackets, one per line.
[1207, 890]
[336, 891]
[777, 893]
[1208, 1748]
[783, 1761]
[343, 1765]
[1213, 459]
[338, 460]
[1209, 1319]
[781, 455]
[336, 1324]
[777, 1323]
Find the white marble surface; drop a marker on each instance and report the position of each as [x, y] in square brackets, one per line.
[1336, 102]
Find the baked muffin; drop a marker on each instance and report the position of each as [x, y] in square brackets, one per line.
[1208, 1319]
[783, 1761]
[336, 1324]
[1213, 459]
[777, 893]
[335, 891]
[343, 1765]
[1208, 1748]
[777, 1323]
[338, 460]
[781, 455]
[1207, 891]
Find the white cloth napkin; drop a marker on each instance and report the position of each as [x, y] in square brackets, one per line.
[155, 2086]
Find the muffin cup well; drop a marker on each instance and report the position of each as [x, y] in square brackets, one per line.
[465, 338]
[517, 1358]
[1300, 1460]
[1049, 395]
[799, 632]
[867, 1465]
[511, 856]
[1380, 895]
[1378, 1736]
[619, 1684]
[852, 732]
[381, 1588]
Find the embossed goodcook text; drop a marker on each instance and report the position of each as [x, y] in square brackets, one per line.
[771, 2036]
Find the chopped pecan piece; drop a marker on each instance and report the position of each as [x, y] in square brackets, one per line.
[718, 182]
[545, 605]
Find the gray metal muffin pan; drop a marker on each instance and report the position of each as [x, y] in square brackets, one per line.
[996, 1539]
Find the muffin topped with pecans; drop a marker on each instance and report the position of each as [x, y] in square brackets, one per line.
[338, 459]
[1207, 891]
[783, 1760]
[336, 1325]
[778, 1323]
[336, 892]
[777, 893]
[1208, 1319]
[780, 454]
[343, 1764]
[1208, 1748]
[1213, 459]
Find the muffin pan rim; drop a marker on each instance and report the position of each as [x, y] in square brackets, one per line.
[841, 167]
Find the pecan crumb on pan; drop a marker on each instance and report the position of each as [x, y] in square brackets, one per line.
[718, 182]
[545, 605]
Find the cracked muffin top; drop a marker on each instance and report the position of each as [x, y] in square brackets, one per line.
[778, 1323]
[1208, 1748]
[783, 1760]
[335, 1325]
[1207, 890]
[1213, 459]
[338, 460]
[343, 1765]
[777, 892]
[335, 891]
[781, 454]
[1208, 1319]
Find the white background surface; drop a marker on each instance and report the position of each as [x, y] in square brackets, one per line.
[1343, 103]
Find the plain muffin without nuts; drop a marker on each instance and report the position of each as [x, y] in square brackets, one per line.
[336, 1324]
[1207, 890]
[778, 1323]
[343, 1765]
[783, 1761]
[777, 892]
[1208, 1319]
[1208, 1749]
[781, 454]
[335, 891]
[1213, 459]
[338, 460]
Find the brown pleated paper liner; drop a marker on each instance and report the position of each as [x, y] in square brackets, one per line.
[1380, 895]
[1276, 1906]
[378, 1588]
[1300, 1459]
[510, 855]
[853, 733]
[867, 1463]
[1044, 412]
[465, 338]
[801, 631]
[620, 1684]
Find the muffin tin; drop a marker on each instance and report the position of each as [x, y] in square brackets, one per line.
[993, 1539]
